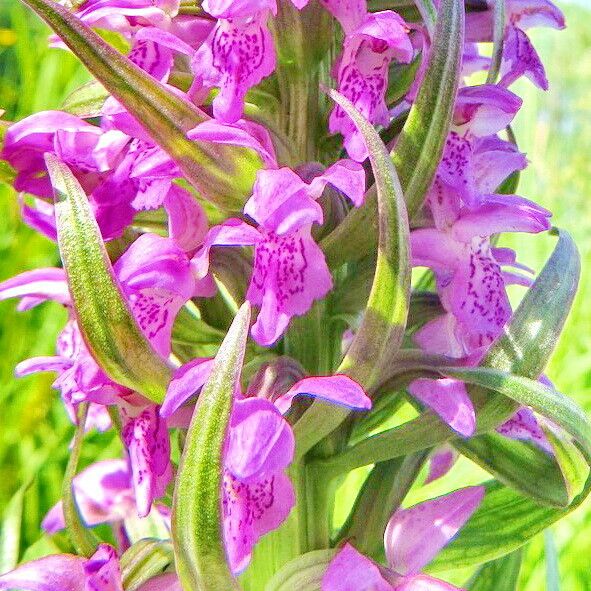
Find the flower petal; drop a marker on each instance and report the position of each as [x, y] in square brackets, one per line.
[351, 571]
[449, 399]
[340, 389]
[414, 536]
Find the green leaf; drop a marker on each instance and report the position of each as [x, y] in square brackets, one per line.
[200, 556]
[144, 560]
[105, 320]
[10, 532]
[428, 13]
[382, 327]
[84, 540]
[498, 575]
[519, 465]
[303, 573]
[526, 392]
[222, 174]
[86, 101]
[420, 146]
[381, 494]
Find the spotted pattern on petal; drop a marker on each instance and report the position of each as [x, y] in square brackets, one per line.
[483, 307]
[146, 438]
[363, 81]
[151, 312]
[152, 58]
[239, 50]
[454, 168]
[281, 261]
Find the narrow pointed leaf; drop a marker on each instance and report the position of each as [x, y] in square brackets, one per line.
[303, 573]
[197, 506]
[382, 327]
[105, 320]
[83, 539]
[498, 575]
[526, 392]
[523, 467]
[420, 146]
[222, 174]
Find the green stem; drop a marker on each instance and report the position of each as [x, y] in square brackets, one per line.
[498, 42]
[84, 541]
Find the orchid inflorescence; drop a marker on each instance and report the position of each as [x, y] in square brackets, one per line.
[292, 160]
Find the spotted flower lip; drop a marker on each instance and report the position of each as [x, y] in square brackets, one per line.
[236, 56]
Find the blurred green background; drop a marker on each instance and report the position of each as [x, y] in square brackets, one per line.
[553, 128]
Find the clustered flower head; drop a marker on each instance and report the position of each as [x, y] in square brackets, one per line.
[183, 265]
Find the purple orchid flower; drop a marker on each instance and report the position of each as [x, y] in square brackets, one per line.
[413, 538]
[66, 572]
[290, 271]
[236, 56]
[519, 55]
[103, 493]
[472, 290]
[257, 494]
[371, 43]
[156, 278]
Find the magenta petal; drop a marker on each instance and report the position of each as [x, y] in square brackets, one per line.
[349, 13]
[102, 570]
[339, 389]
[103, 494]
[290, 272]
[439, 336]
[424, 583]
[238, 54]
[252, 510]
[521, 59]
[524, 426]
[347, 176]
[415, 536]
[187, 382]
[47, 284]
[63, 572]
[233, 232]
[351, 571]
[35, 364]
[501, 215]
[259, 441]
[246, 134]
[145, 435]
[441, 462]
[449, 399]
[282, 202]
[487, 109]
[235, 8]
[187, 222]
